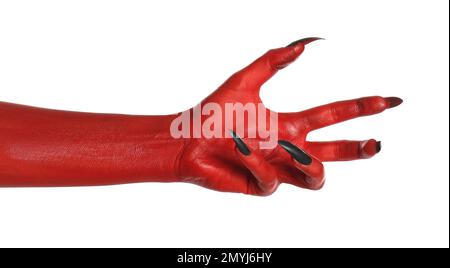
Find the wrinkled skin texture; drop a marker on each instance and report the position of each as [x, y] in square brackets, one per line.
[41, 147]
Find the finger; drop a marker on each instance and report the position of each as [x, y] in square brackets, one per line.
[263, 172]
[344, 150]
[263, 68]
[337, 112]
[308, 164]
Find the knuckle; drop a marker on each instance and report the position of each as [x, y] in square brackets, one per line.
[360, 106]
[318, 180]
[317, 185]
[267, 190]
[334, 114]
[268, 187]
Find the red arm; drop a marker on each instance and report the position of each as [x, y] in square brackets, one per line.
[41, 147]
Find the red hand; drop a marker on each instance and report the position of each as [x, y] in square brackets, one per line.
[41, 147]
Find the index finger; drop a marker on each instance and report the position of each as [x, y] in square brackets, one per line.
[263, 68]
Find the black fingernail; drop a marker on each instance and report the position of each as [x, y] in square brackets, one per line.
[378, 148]
[305, 41]
[298, 154]
[393, 102]
[240, 143]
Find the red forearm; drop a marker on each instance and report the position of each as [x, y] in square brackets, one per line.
[40, 147]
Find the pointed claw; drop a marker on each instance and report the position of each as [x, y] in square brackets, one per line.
[393, 102]
[305, 41]
[298, 154]
[378, 147]
[240, 144]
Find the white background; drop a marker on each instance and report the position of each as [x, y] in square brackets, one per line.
[148, 57]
